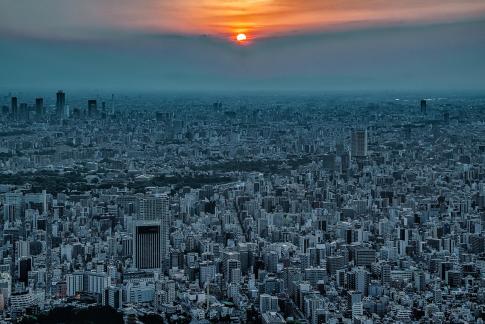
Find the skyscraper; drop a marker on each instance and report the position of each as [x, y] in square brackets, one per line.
[359, 143]
[423, 106]
[92, 107]
[13, 106]
[39, 106]
[60, 102]
[24, 266]
[156, 208]
[147, 245]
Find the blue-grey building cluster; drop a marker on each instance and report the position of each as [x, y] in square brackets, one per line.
[244, 209]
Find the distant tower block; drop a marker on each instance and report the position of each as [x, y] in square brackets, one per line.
[14, 106]
[92, 107]
[39, 106]
[359, 143]
[60, 103]
[424, 107]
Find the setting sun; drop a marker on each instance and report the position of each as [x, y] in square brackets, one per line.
[241, 37]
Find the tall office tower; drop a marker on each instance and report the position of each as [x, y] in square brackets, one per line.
[92, 107]
[147, 244]
[359, 143]
[156, 208]
[39, 107]
[24, 266]
[13, 106]
[424, 107]
[60, 102]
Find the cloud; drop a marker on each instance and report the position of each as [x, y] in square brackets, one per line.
[95, 18]
[443, 56]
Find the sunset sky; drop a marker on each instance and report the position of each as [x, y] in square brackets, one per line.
[290, 41]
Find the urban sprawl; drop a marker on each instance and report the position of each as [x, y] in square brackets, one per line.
[242, 209]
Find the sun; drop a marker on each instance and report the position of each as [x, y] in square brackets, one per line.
[241, 37]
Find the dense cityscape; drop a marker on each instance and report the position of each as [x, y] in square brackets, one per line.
[249, 208]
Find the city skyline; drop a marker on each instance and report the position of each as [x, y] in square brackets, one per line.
[406, 47]
[242, 161]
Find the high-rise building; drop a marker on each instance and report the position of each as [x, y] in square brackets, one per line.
[359, 143]
[424, 107]
[147, 244]
[92, 107]
[25, 265]
[60, 102]
[39, 107]
[156, 208]
[13, 106]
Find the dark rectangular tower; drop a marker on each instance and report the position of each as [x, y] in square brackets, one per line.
[60, 103]
[39, 106]
[14, 106]
[424, 106]
[92, 107]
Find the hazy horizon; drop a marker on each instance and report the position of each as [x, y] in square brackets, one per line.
[361, 51]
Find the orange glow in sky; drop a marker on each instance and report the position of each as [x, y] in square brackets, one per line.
[267, 18]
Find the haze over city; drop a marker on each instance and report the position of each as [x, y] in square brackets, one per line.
[290, 45]
[242, 161]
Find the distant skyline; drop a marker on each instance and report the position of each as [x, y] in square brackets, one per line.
[293, 45]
